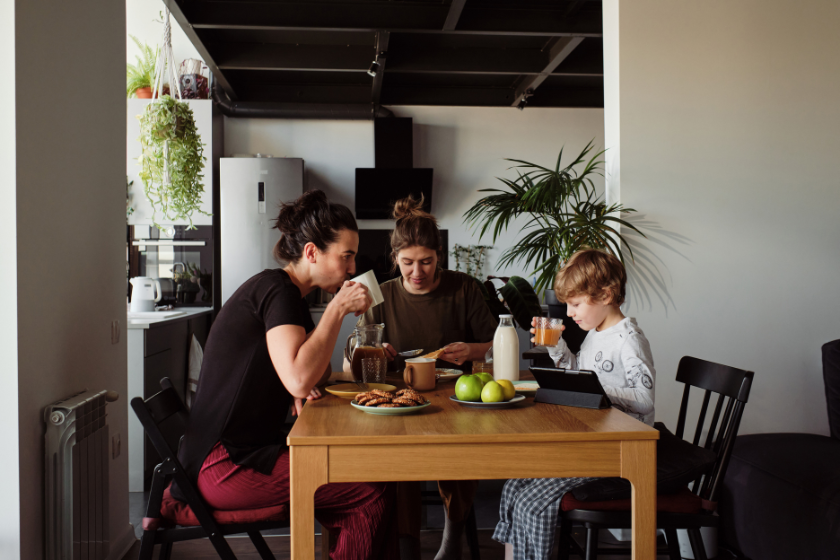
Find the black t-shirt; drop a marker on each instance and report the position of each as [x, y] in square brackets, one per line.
[240, 399]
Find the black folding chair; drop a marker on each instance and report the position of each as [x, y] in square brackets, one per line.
[733, 389]
[164, 417]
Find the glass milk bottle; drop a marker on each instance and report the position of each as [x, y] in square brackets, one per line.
[506, 350]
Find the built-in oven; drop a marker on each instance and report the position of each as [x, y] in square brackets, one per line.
[180, 258]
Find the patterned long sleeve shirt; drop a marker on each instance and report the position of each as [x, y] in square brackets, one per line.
[621, 357]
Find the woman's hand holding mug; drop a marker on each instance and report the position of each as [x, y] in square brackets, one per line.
[353, 297]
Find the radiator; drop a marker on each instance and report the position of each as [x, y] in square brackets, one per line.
[76, 472]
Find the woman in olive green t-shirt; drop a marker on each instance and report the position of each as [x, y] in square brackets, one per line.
[430, 308]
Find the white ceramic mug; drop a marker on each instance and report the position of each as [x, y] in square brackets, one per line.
[369, 280]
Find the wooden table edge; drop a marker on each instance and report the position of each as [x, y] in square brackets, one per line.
[467, 438]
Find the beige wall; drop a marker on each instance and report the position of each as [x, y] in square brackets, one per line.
[729, 121]
[68, 233]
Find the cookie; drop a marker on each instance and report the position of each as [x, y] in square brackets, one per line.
[361, 397]
[416, 397]
[377, 401]
[389, 405]
[381, 393]
[405, 401]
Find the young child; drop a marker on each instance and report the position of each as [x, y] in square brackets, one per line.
[592, 284]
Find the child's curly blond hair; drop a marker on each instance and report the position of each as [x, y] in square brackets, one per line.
[592, 273]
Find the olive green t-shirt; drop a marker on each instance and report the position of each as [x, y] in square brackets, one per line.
[454, 312]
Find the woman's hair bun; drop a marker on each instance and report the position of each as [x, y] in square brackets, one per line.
[291, 213]
[414, 227]
[410, 207]
[311, 218]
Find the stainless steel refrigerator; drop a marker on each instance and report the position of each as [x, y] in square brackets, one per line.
[251, 192]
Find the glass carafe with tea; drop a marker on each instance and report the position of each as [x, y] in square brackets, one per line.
[364, 343]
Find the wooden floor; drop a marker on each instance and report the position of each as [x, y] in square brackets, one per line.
[244, 550]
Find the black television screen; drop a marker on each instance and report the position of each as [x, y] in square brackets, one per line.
[378, 189]
[375, 253]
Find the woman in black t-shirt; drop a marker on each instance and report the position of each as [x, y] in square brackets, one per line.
[263, 355]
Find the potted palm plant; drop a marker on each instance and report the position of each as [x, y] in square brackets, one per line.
[564, 213]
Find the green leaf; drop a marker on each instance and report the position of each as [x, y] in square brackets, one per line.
[522, 301]
[491, 298]
[564, 211]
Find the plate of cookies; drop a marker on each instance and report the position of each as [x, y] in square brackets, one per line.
[376, 401]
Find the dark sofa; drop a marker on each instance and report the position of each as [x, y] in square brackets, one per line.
[781, 494]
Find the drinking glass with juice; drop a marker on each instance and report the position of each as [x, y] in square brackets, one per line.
[547, 331]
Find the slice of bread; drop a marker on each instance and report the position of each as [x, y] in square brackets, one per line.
[434, 355]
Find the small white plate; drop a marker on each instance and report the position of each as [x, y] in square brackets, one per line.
[448, 374]
[496, 405]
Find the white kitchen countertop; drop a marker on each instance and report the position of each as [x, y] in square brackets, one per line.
[145, 322]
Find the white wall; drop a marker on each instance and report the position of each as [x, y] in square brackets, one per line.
[9, 436]
[63, 218]
[465, 146]
[729, 140]
[143, 20]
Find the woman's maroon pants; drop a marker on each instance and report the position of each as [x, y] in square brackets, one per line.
[362, 513]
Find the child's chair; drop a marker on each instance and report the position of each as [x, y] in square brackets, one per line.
[686, 509]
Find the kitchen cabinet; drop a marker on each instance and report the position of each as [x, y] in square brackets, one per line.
[203, 114]
[157, 349]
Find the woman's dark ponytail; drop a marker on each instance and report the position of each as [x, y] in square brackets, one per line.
[310, 219]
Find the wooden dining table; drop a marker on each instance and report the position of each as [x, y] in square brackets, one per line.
[333, 442]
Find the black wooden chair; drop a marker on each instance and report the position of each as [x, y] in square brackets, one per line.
[164, 417]
[733, 388]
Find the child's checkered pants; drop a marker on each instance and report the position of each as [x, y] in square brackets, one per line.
[528, 514]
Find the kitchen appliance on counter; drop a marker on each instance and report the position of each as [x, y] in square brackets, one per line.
[145, 293]
[181, 260]
[251, 191]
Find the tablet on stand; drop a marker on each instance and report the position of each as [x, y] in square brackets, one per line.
[569, 387]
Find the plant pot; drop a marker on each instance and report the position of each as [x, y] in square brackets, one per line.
[550, 298]
[143, 93]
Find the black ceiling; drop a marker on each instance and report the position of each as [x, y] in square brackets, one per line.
[488, 53]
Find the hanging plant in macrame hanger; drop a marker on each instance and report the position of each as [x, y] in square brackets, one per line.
[172, 159]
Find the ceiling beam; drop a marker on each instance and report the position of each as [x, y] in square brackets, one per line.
[355, 58]
[322, 58]
[415, 95]
[391, 16]
[487, 97]
[189, 31]
[380, 56]
[558, 49]
[455, 9]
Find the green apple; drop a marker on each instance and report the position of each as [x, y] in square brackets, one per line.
[468, 388]
[484, 376]
[492, 392]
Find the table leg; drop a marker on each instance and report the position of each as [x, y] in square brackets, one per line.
[638, 465]
[308, 470]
